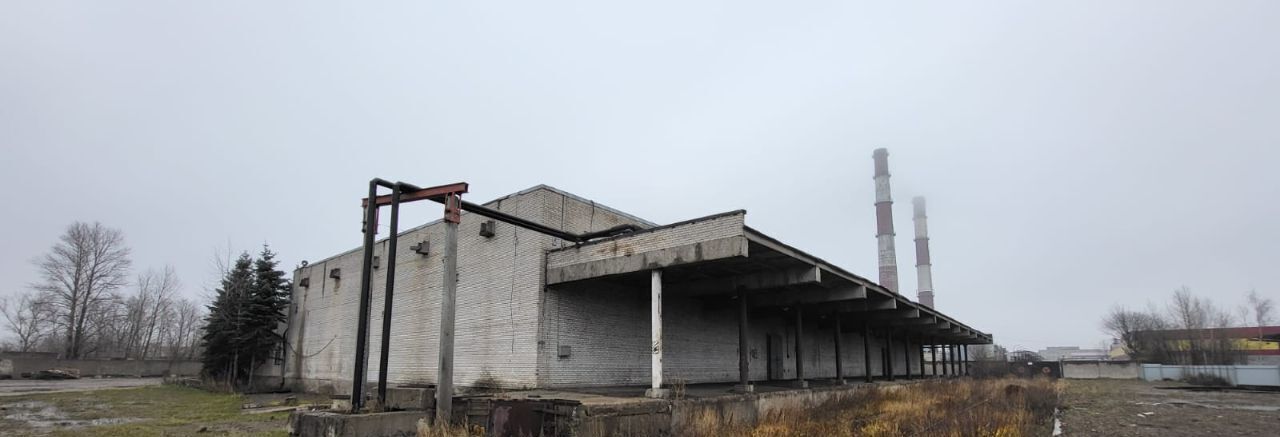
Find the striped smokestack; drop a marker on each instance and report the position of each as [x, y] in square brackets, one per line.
[924, 268]
[884, 223]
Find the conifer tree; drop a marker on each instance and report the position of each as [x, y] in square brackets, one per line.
[223, 333]
[267, 302]
[244, 319]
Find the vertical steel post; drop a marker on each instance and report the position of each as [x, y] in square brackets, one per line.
[448, 302]
[655, 335]
[387, 298]
[839, 358]
[800, 382]
[964, 352]
[366, 293]
[866, 351]
[744, 365]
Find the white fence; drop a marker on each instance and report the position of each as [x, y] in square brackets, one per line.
[1100, 370]
[1236, 375]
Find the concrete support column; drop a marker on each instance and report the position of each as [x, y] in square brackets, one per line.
[839, 358]
[946, 365]
[655, 336]
[933, 354]
[866, 351]
[744, 365]
[800, 382]
[920, 350]
[964, 352]
[906, 356]
[888, 353]
[444, 386]
[955, 362]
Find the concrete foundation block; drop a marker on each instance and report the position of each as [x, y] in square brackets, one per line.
[414, 399]
[658, 393]
[324, 423]
[800, 384]
[744, 388]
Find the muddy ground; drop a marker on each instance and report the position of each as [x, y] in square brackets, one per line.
[1138, 408]
[147, 410]
[19, 387]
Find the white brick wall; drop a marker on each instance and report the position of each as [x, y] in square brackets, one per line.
[499, 301]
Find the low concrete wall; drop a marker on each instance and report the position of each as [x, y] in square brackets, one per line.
[17, 365]
[1100, 370]
[1262, 376]
[324, 424]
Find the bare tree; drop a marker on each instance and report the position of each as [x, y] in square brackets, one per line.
[79, 275]
[145, 310]
[1135, 330]
[27, 317]
[177, 330]
[1260, 309]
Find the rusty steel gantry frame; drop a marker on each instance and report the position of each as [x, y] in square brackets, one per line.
[451, 196]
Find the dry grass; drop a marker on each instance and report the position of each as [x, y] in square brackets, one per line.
[997, 407]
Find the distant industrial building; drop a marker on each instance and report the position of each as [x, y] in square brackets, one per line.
[1245, 345]
[1072, 353]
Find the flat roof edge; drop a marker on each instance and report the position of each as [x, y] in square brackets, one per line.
[755, 235]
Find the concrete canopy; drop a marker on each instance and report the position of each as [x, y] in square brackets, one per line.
[719, 256]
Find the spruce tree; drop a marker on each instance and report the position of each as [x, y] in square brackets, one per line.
[241, 329]
[224, 332]
[267, 302]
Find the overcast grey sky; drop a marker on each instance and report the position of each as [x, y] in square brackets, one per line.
[1075, 154]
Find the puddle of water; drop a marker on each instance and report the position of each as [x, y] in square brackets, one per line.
[38, 414]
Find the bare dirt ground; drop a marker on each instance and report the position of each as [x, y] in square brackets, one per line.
[1138, 408]
[19, 387]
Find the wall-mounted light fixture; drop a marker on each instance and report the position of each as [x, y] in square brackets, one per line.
[305, 283]
[422, 248]
[377, 261]
[487, 228]
[335, 273]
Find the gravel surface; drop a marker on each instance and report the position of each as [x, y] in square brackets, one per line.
[1138, 408]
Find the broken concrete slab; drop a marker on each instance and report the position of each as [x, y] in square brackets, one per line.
[326, 423]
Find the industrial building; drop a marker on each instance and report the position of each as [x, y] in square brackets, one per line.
[707, 300]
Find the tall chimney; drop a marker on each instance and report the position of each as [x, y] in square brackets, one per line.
[884, 223]
[924, 268]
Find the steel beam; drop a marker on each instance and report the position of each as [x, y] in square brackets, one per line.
[412, 193]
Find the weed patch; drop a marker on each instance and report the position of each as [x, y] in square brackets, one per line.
[1000, 407]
